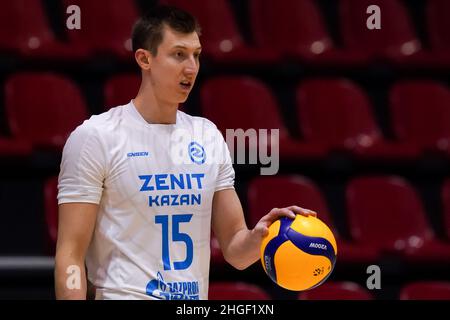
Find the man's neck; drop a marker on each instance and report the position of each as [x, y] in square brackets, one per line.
[154, 111]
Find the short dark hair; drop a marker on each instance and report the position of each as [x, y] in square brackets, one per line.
[148, 30]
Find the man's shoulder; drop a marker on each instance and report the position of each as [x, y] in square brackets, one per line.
[102, 123]
[196, 119]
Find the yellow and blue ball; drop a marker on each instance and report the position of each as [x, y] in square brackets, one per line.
[299, 254]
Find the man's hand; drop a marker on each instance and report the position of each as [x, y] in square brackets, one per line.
[241, 246]
[262, 227]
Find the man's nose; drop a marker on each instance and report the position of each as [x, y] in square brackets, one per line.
[191, 67]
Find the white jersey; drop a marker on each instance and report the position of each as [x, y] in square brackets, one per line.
[154, 184]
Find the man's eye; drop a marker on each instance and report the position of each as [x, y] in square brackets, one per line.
[179, 54]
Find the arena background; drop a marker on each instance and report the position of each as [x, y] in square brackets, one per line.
[379, 106]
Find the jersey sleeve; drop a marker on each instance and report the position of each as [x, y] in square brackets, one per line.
[226, 175]
[83, 168]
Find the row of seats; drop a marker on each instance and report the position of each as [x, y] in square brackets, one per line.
[293, 29]
[336, 114]
[332, 114]
[387, 205]
[343, 290]
[375, 204]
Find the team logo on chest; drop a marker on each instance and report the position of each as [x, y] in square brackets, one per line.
[197, 153]
[185, 187]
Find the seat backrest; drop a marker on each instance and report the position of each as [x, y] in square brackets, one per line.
[51, 210]
[336, 112]
[426, 290]
[386, 211]
[43, 108]
[220, 33]
[396, 35]
[446, 206]
[337, 291]
[240, 102]
[266, 193]
[23, 25]
[438, 24]
[236, 291]
[120, 89]
[105, 25]
[287, 25]
[420, 112]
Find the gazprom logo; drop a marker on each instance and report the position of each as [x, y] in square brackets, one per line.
[162, 290]
[197, 153]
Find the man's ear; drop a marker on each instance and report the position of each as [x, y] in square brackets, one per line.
[143, 59]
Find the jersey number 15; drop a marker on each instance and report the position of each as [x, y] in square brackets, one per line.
[177, 236]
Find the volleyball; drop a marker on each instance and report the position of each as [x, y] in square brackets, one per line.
[299, 254]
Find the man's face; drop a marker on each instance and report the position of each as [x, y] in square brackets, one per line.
[175, 67]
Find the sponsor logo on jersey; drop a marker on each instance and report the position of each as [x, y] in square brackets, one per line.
[172, 290]
[137, 154]
[197, 153]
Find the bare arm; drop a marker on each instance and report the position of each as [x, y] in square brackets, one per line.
[75, 228]
[240, 246]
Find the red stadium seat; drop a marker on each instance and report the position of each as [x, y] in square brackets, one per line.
[236, 291]
[106, 26]
[297, 29]
[247, 103]
[265, 193]
[446, 206]
[51, 212]
[396, 41]
[221, 39]
[336, 291]
[386, 212]
[342, 119]
[438, 25]
[120, 89]
[426, 290]
[421, 114]
[24, 30]
[14, 148]
[43, 108]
